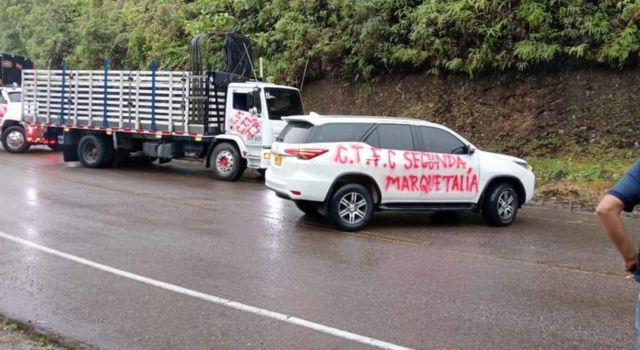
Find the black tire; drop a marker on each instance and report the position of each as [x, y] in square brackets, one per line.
[500, 206]
[308, 208]
[95, 151]
[14, 140]
[226, 162]
[358, 215]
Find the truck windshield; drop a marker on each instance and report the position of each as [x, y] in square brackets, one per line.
[15, 97]
[283, 102]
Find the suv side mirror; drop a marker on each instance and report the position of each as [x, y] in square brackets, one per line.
[471, 150]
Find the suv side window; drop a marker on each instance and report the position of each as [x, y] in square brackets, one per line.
[392, 136]
[2, 100]
[440, 141]
[340, 132]
[374, 139]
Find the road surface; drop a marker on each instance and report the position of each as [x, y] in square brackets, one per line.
[165, 257]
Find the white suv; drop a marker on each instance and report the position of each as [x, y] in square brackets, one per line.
[346, 167]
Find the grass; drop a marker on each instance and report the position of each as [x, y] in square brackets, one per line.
[22, 336]
[578, 180]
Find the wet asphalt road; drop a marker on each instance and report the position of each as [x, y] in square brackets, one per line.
[550, 281]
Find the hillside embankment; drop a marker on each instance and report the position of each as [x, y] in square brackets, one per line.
[578, 128]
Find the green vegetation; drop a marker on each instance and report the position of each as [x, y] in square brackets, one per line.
[571, 169]
[18, 335]
[579, 180]
[354, 39]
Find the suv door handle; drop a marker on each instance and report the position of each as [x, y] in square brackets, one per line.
[374, 158]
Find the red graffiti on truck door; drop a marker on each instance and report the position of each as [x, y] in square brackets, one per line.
[246, 124]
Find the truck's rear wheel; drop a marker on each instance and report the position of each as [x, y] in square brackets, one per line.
[95, 151]
[14, 139]
[226, 162]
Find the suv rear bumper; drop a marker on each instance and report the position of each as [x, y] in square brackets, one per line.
[301, 188]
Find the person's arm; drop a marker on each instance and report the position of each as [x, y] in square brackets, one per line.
[608, 212]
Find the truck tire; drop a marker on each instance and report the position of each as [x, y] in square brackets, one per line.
[351, 207]
[14, 139]
[226, 162]
[95, 151]
[500, 205]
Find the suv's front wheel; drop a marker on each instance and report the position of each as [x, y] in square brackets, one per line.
[500, 205]
[351, 207]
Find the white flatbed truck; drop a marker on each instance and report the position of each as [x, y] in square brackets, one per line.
[227, 120]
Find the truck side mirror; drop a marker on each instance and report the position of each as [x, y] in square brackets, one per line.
[254, 101]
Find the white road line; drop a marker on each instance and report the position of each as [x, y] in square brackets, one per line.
[211, 298]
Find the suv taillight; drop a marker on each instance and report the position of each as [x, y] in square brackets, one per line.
[305, 153]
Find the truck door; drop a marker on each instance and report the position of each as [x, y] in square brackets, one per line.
[244, 116]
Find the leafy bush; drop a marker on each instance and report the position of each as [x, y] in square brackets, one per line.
[355, 39]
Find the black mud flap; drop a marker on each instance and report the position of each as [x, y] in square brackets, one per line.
[70, 150]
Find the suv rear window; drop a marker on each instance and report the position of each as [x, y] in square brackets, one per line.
[339, 132]
[295, 132]
[303, 132]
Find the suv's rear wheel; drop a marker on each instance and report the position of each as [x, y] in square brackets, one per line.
[500, 205]
[351, 207]
[14, 140]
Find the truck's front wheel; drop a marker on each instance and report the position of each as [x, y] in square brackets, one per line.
[95, 151]
[14, 140]
[226, 162]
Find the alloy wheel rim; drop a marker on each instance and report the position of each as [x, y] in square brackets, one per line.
[225, 162]
[15, 140]
[506, 205]
[352, 208]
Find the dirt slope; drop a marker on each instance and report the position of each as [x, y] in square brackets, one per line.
[526, 115]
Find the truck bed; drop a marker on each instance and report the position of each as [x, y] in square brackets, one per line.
[176, 103]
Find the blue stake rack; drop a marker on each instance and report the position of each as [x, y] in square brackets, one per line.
[105, 120]
[62, 95]
[154, 67]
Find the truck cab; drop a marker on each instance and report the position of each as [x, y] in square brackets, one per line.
[15, 136]
[254, 114]
[12, 133]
